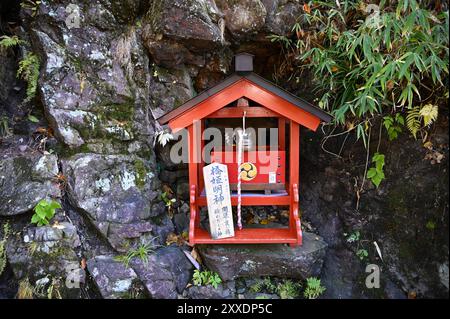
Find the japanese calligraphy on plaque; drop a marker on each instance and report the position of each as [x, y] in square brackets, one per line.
[219, 201]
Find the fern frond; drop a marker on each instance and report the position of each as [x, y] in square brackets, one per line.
[429, 113]
[7, 41]
[29, 71]
[413, 120]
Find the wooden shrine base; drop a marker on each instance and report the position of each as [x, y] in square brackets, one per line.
[249, 236]
[291, 235]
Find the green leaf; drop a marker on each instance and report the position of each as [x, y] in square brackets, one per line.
[54, 205]
[400, 119]
[41, 212]
[371, 173]
[35, 219]
[388, 121]
[33, 118]
[44, 211]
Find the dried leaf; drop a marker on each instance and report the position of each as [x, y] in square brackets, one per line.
[306, 8]
[250, 220]
[196, 255]
[172, 238]
[83, 263]
[167, 189]
[428, 145]
[412, 295]
[307, 225]
[434, 157]
[390, 85]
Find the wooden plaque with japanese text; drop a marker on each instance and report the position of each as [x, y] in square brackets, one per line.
[218, 198]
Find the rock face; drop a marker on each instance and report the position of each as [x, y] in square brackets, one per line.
[113, 278]
[223, 291]
[162, 275]
[94, 83]
[46, 257]
[167, 272]
[282, 15]
[7, 74]
[395, 215]
[115, 191]
[243, 18]
[232, 261]
[184, 25]
[25, 179]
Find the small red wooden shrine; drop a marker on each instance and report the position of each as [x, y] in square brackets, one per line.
[267, 101]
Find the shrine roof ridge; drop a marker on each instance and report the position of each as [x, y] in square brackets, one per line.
[256, 79]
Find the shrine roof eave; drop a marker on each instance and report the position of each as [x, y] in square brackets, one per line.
[252, 78]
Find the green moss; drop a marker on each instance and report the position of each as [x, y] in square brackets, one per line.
[54, 254]
[154, 15]
[141, 173]
[66, 152]
[91, 128]
[120, 112]
[397, 201]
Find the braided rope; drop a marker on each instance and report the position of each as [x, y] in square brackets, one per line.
[240, 150]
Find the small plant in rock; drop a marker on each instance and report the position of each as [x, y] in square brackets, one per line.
[29, 71]
[264, 284]
[44, 211]
[314, 288]
[28, 67]
[270, 286]
[206, 277]
[353, 237]
[33, 248]
[288, 289]
[141, 252]
[5, 129]
[393, 125]
[53, 290]
[257, 286]
[198, 277]
[8, 42]
[420, 117]
[25, 290]
[6, 232]
[32, 5]
[48, 287]
[362, 254]
[376, 173]
[169, 203]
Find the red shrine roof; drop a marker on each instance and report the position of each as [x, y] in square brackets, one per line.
[249, 85]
